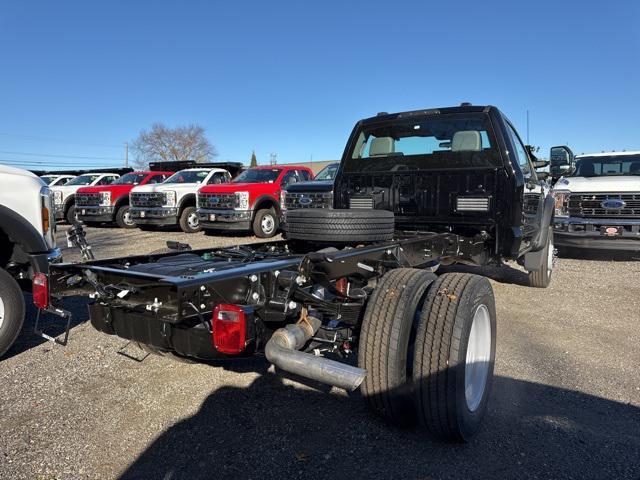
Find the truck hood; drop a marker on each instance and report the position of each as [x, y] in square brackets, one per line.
[238, 187]
[7, 170]
[313, 186]
[116, 190]
[168, 187]
[620, 184]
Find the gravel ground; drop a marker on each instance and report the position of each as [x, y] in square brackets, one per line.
[565, 401]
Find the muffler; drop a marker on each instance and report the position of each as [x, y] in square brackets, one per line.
[283, 350]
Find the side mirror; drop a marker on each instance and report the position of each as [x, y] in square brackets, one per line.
[561, 155]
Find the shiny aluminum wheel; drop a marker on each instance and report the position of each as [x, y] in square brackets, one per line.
[478, 359]
[268, 224]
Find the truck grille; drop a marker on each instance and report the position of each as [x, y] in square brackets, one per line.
[595, 205]
[150, 199]
[361, 202]
[217, 200]
[87, 199]
[309, 200]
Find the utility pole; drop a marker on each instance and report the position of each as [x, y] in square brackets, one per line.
[273, 158]
[126, 154]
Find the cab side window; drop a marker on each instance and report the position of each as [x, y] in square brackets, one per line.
[304, 175]
[289, 178]
[106, 180]
[520, 153]
[216, 178]
[157, 179]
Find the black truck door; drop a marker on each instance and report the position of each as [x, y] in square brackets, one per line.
[534, 191]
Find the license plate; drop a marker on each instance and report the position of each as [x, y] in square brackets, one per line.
[83, 211]
[142, 214]
[611, 231]
[212, 217]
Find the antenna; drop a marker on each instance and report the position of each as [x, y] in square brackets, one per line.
[528, 128]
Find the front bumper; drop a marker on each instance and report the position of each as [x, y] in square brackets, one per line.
[154, 215]
[225, 219]
[586, 233]
[95, 213]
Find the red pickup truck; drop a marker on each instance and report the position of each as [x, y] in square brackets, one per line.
[251, 201]
[110, 203]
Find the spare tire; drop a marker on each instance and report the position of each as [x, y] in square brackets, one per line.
[343, 226]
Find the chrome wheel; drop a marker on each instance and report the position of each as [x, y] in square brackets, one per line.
[1, 312]
[192, 221]
[268, 224]
[476, 370]
[128, 220]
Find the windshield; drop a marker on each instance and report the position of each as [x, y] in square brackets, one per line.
[48, 180]
[130, 179]
[83, 180]
[188, 176]
[437, 142]
[328, 172]
[607, 166]
[258, 175]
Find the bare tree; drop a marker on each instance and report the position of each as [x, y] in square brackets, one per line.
[164, 144]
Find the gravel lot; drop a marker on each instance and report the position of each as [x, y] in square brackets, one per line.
[565, 402]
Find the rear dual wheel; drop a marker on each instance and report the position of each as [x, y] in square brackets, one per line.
[428, 345]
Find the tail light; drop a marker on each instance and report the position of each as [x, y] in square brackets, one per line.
[229, 328]
[40, 290]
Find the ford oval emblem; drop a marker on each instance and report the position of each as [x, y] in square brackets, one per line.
[214, 199]
[305, 201]
[613, 204]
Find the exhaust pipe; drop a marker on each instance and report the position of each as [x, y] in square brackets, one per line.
[283, 351]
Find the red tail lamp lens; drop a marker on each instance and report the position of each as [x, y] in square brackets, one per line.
[40, 290]
[229, 329]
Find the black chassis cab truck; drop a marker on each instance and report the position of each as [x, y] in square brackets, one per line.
[362, 307]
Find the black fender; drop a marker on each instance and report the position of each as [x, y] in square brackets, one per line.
[188, 198]
[120, 202]
[540, 240]
[267, 199]
[20, 231]
[69, 201]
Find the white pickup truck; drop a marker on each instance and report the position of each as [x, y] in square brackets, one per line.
[55, 180]
[598, 202]
[65, 195]
[27, 244]
[173, 202]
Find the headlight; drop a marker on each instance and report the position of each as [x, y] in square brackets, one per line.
[105, 199]
[562, 199]
[242, 200]
[57, 197]
[169, 199]
[283, 199]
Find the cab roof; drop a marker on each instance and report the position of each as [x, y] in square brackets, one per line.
[382, 116]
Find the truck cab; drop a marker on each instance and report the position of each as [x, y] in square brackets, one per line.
[251, 202]
[597, 204]
[110, 203]
[173, 202]
[65, 195]
[27, 244]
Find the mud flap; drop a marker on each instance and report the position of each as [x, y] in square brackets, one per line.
[540, 240]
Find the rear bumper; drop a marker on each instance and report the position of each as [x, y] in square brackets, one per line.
[94, 213]
[585, 233]
[225, 219]
[154, 216]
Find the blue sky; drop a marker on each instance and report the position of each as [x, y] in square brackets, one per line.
[81, 78]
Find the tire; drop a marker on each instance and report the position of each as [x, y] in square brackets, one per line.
[266, 223]
[541, 278]
[455, 303]
[71, 215]
[123, 217]
[343, 226]
[386, 343]
[189, 220]
[11, 311]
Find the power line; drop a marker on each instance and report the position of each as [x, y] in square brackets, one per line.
[13, 162]
[81, 157]
[57, 140]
